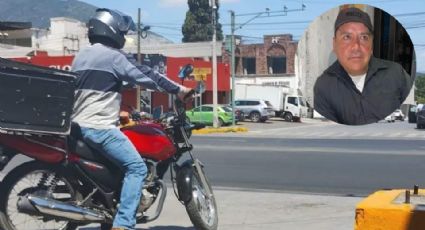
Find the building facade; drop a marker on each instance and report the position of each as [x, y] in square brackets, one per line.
[275, 56]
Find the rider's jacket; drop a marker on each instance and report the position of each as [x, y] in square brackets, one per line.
[101, 71]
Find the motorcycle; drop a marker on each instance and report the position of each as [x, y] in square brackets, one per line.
[69, 184]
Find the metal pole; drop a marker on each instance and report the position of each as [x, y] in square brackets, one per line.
[139, 58]
[214, 65]
[232, 50]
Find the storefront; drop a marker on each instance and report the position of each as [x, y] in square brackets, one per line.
[167, 65]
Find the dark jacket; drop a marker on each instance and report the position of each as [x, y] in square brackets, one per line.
[337, 98]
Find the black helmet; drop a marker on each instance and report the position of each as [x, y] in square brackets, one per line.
[109, 27]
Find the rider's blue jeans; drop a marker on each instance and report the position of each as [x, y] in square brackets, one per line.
[118, 148]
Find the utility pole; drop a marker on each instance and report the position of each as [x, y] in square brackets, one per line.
[232, 70]
[232, 48]
[214, 63]
[233, 28]
[139, 56]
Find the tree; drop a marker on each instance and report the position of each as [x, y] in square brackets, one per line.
[420, 89]
[198, 23]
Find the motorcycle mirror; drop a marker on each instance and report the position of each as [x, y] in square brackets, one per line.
[200, 87]
[185, 71]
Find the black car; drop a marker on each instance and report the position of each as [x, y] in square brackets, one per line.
[412, 114]
[420, 118]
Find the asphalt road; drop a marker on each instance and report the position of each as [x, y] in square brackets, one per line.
[342, 166]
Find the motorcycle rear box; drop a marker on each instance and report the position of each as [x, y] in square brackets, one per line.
[35, 99]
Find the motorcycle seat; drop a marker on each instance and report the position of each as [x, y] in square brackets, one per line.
[78, 146]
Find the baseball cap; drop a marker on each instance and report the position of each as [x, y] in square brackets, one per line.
[353, 14]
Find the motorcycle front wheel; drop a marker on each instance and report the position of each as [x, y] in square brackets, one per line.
[202, 209]
[37, 179]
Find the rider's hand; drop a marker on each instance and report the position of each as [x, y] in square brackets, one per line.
[124, 117]
[184, 91]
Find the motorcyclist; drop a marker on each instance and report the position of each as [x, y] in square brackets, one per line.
[102, 67]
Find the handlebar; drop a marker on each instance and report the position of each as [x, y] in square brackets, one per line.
[189, 95]
[198, 126]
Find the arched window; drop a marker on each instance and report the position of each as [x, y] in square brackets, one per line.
[276, 59]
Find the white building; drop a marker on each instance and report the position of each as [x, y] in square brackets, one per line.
[67, 36]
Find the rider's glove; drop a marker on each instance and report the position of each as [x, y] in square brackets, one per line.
[183, 92]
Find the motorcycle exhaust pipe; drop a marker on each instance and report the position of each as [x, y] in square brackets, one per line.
[34, 205]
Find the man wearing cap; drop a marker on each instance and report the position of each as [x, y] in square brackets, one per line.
[358, 88]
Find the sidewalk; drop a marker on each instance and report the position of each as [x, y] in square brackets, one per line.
[245, 127]
[253, 210]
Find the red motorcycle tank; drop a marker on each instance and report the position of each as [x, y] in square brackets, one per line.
[150, 140]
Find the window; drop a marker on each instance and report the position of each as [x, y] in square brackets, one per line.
[268, 104]
[207, 109]
[226, 109]
[293, 100]
[253, 103]
[303, 102]
[240, 103]
[237, 66]
[248, 64]
[276, 64]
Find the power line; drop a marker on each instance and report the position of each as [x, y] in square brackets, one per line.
[251, 24]
[415, 27]
[244, 36]
[279, 28]
[409, 14]
[272, 23]
[167, 27]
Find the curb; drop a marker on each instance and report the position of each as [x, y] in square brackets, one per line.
[209, 130]
[391, 210]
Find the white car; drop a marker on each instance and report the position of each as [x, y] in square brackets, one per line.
[390, 118]
[398, 115]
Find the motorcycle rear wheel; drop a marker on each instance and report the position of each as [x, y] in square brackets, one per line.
[25, 180]
[202, 209]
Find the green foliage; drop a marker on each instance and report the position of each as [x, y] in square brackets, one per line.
[198, 23]
[420, 89]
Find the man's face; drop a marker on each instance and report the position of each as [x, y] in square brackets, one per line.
[352, 45]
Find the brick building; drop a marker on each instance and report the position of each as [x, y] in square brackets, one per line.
[275, 56]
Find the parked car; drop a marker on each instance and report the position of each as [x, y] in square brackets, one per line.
[239, 115]
[412, 114]
[255, 109]
[204, 114]
[420, 118]
[398, 115]
[390, 118]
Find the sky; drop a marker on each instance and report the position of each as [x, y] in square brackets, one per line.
[167, 16]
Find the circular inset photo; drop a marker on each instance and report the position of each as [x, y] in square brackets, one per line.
[356, 65]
